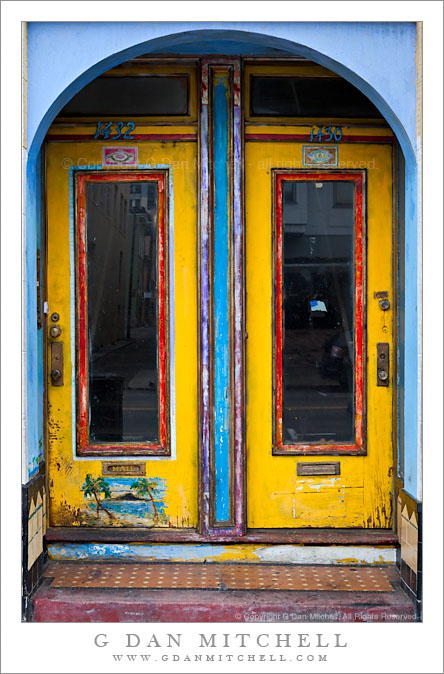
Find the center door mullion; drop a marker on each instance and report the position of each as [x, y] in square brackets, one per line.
[221, 241]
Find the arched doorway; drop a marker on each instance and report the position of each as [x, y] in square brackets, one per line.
[220, 237]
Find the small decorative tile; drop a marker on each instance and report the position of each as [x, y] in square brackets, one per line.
[119, 156]
[319, 155]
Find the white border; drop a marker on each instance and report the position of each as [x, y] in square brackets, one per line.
[70, 648]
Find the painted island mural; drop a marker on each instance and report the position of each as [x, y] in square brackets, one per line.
[124, 502]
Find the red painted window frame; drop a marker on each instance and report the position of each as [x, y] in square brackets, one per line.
[84, 447]
[357, 447]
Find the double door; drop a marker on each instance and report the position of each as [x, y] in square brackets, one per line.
[220, 327]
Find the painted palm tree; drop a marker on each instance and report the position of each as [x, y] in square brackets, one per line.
[95, 487]
[147, 489]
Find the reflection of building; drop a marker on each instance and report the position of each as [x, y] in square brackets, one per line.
[122, 269]
[318, 251]
[141, 256]
[109, 239]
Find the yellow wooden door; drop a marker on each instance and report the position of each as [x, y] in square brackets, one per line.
[318, 282]
[122, 329]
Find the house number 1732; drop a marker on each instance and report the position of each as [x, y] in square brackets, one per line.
[326, 133]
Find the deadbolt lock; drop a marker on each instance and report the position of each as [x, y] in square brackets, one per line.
[384, 304]
[55, 375]
[55, 317]
[382, 364]
[55, 331]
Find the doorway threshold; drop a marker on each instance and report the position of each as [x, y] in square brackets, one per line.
[124, 592]
[385, 537]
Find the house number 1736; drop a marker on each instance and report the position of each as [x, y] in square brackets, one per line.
[326, 133]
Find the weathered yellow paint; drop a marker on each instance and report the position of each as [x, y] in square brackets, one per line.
[353, 560]
[83, 128]
[299, 69]
[276, 496]
[213, 552]
[67, 473]
[298, 126]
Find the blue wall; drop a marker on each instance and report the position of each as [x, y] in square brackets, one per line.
[34, 336]
[409, 352]
[378, 58]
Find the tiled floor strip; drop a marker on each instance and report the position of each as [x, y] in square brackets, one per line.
[218, 577]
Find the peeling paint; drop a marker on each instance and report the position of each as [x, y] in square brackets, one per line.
[360, 496]
[67, 504]
[221, 295]
[200, 553]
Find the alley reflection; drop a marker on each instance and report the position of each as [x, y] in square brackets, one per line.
[318, 312]
[122, 224]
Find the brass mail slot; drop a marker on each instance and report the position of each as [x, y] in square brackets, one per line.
[123, 468]
[324, 468]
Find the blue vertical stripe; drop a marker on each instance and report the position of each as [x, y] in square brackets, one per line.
[221, 297]
[412, 442]
[34, 337]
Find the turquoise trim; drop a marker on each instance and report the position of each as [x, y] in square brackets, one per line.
[172, 313]
[221, 298]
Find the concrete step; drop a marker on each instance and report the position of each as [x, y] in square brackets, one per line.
[115, 592]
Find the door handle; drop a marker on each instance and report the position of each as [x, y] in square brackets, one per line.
[382, 364]
[57, 363]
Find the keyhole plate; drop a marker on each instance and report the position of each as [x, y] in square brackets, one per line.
[382, 364]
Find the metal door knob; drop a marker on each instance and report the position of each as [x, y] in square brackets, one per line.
[382, 375]
[384, 304]
[55, 375]
[55, 331]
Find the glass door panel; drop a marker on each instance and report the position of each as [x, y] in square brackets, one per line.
[122, 321]
[318, 256]
[318, 311]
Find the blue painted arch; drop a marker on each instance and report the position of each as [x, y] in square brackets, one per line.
[387, 78]
[234, 41]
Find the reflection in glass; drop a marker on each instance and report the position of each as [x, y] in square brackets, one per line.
[122, 224]
[280, 96]
[318, 312]
[150, 95]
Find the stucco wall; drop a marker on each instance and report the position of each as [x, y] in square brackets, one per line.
[378, 58]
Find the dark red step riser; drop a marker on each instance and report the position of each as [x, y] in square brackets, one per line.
[101, 606]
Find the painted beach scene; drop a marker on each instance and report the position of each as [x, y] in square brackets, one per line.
[124, 502]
